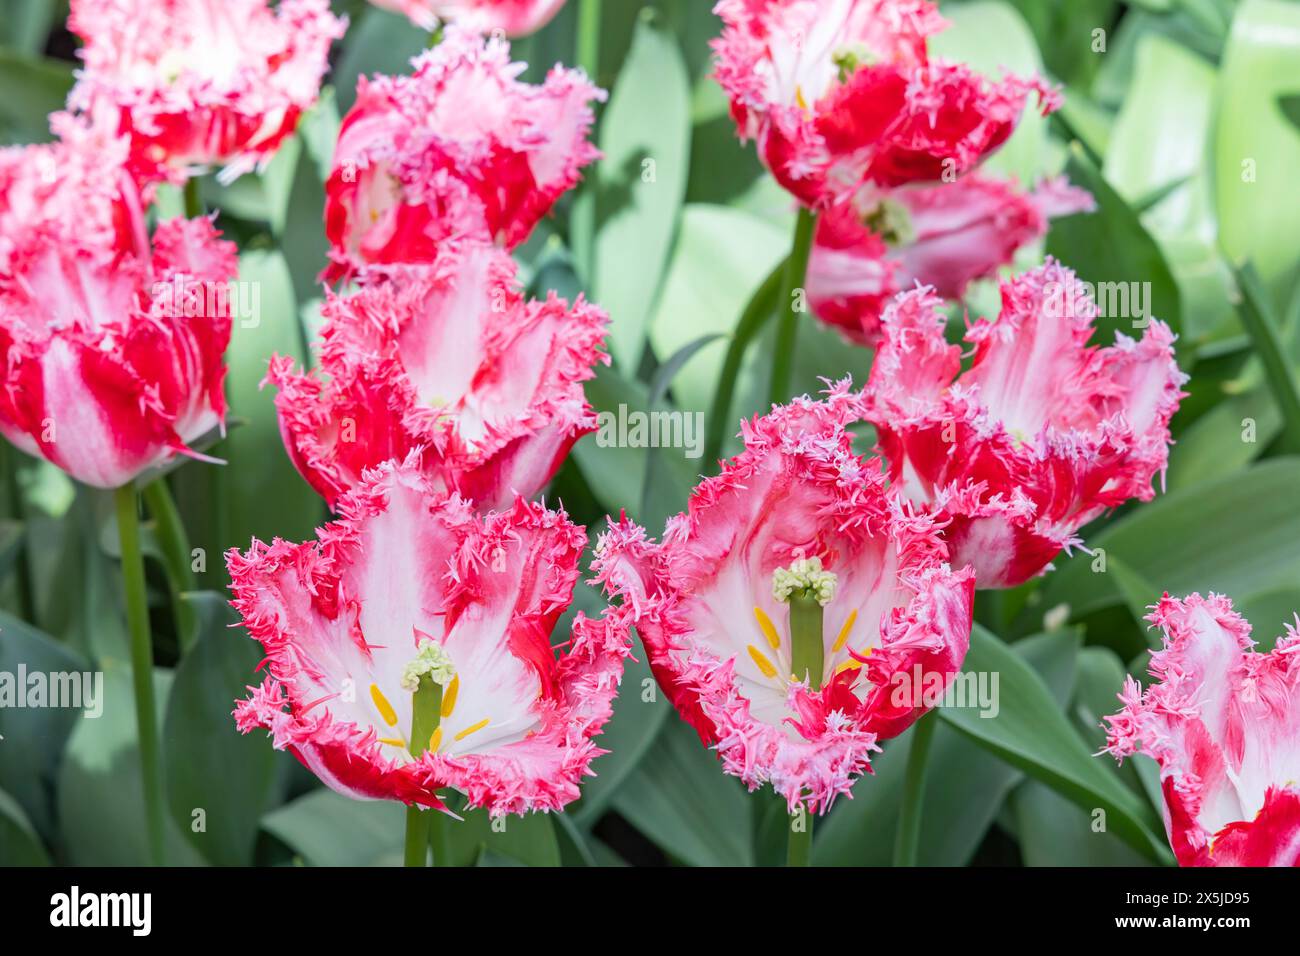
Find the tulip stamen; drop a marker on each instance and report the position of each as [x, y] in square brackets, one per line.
[383, 706]
[768, 628]
[844, 632]
[761, 662]
[475, 728]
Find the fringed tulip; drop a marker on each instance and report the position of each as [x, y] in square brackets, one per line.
[787, 612]
[459, 149]
[113, 363]
[1223, 722]
[200, 83]
[407, 583]
[451, 359]
[74, 192]
[1042, 434]
[841, 93]
[514, 18]
[885, 241]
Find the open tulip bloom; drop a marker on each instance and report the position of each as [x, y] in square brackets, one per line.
[514, 18]
[1220, 719]
[840, 93]
[409, 649]
[461, 148]
[198, 83]
[788, 610]
[1039, 436]
[449, 359]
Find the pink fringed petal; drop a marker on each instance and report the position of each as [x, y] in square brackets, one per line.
[1042, 434]
[340, 617]
[699, 600]
[1220, 720]
[202, 82]
[458, 149]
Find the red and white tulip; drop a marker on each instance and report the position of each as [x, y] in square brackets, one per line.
[459, 149]
[450, 359]
[1042, 434]
[786, 612]
[411, 578]
[1221, 719]
[199, 83]
[842, 93]
[114, 362]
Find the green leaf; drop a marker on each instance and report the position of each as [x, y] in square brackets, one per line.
[379, 41]
[34, 737]
[528, 840]
[209, 766]
[326, 828]
[954, 820]
[1177, 542]
[679, 798]
[19, 844]
[38, 87]
[101, 806]
[1256, 149]
[1110, 249]
[1032, 734]
[645, 136]
[267, 497]
[1263, 329]
[1052, 831]
[720, 257]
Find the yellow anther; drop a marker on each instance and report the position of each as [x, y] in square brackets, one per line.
[762, 662]
[768, 628]
[392, 741]
[383, 706]
[449, 696]
[849, 665]
[435, 739]
[798, 98]
[469, 730]
[844, 631]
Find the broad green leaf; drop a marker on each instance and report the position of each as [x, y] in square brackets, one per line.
[378, 41]
[1256, 149]
[1111, 249]
[325, 828]
[860, 832]
[720, 257]
[267, 497]
[1032, 734]
[518, 841]
[1161, 136]
[25, 24]
[680, 799]
[218, 780]
[34, 737]
[36, 88]
[1052, 831]
[645, 136]
[19, 843]
[101, 804]
[1178, 542]
[1265, 332]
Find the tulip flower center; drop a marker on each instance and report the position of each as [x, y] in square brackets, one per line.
[890, 220]
[807, 588]
[431, 679]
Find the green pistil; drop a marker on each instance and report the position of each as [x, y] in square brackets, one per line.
[807, 588]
